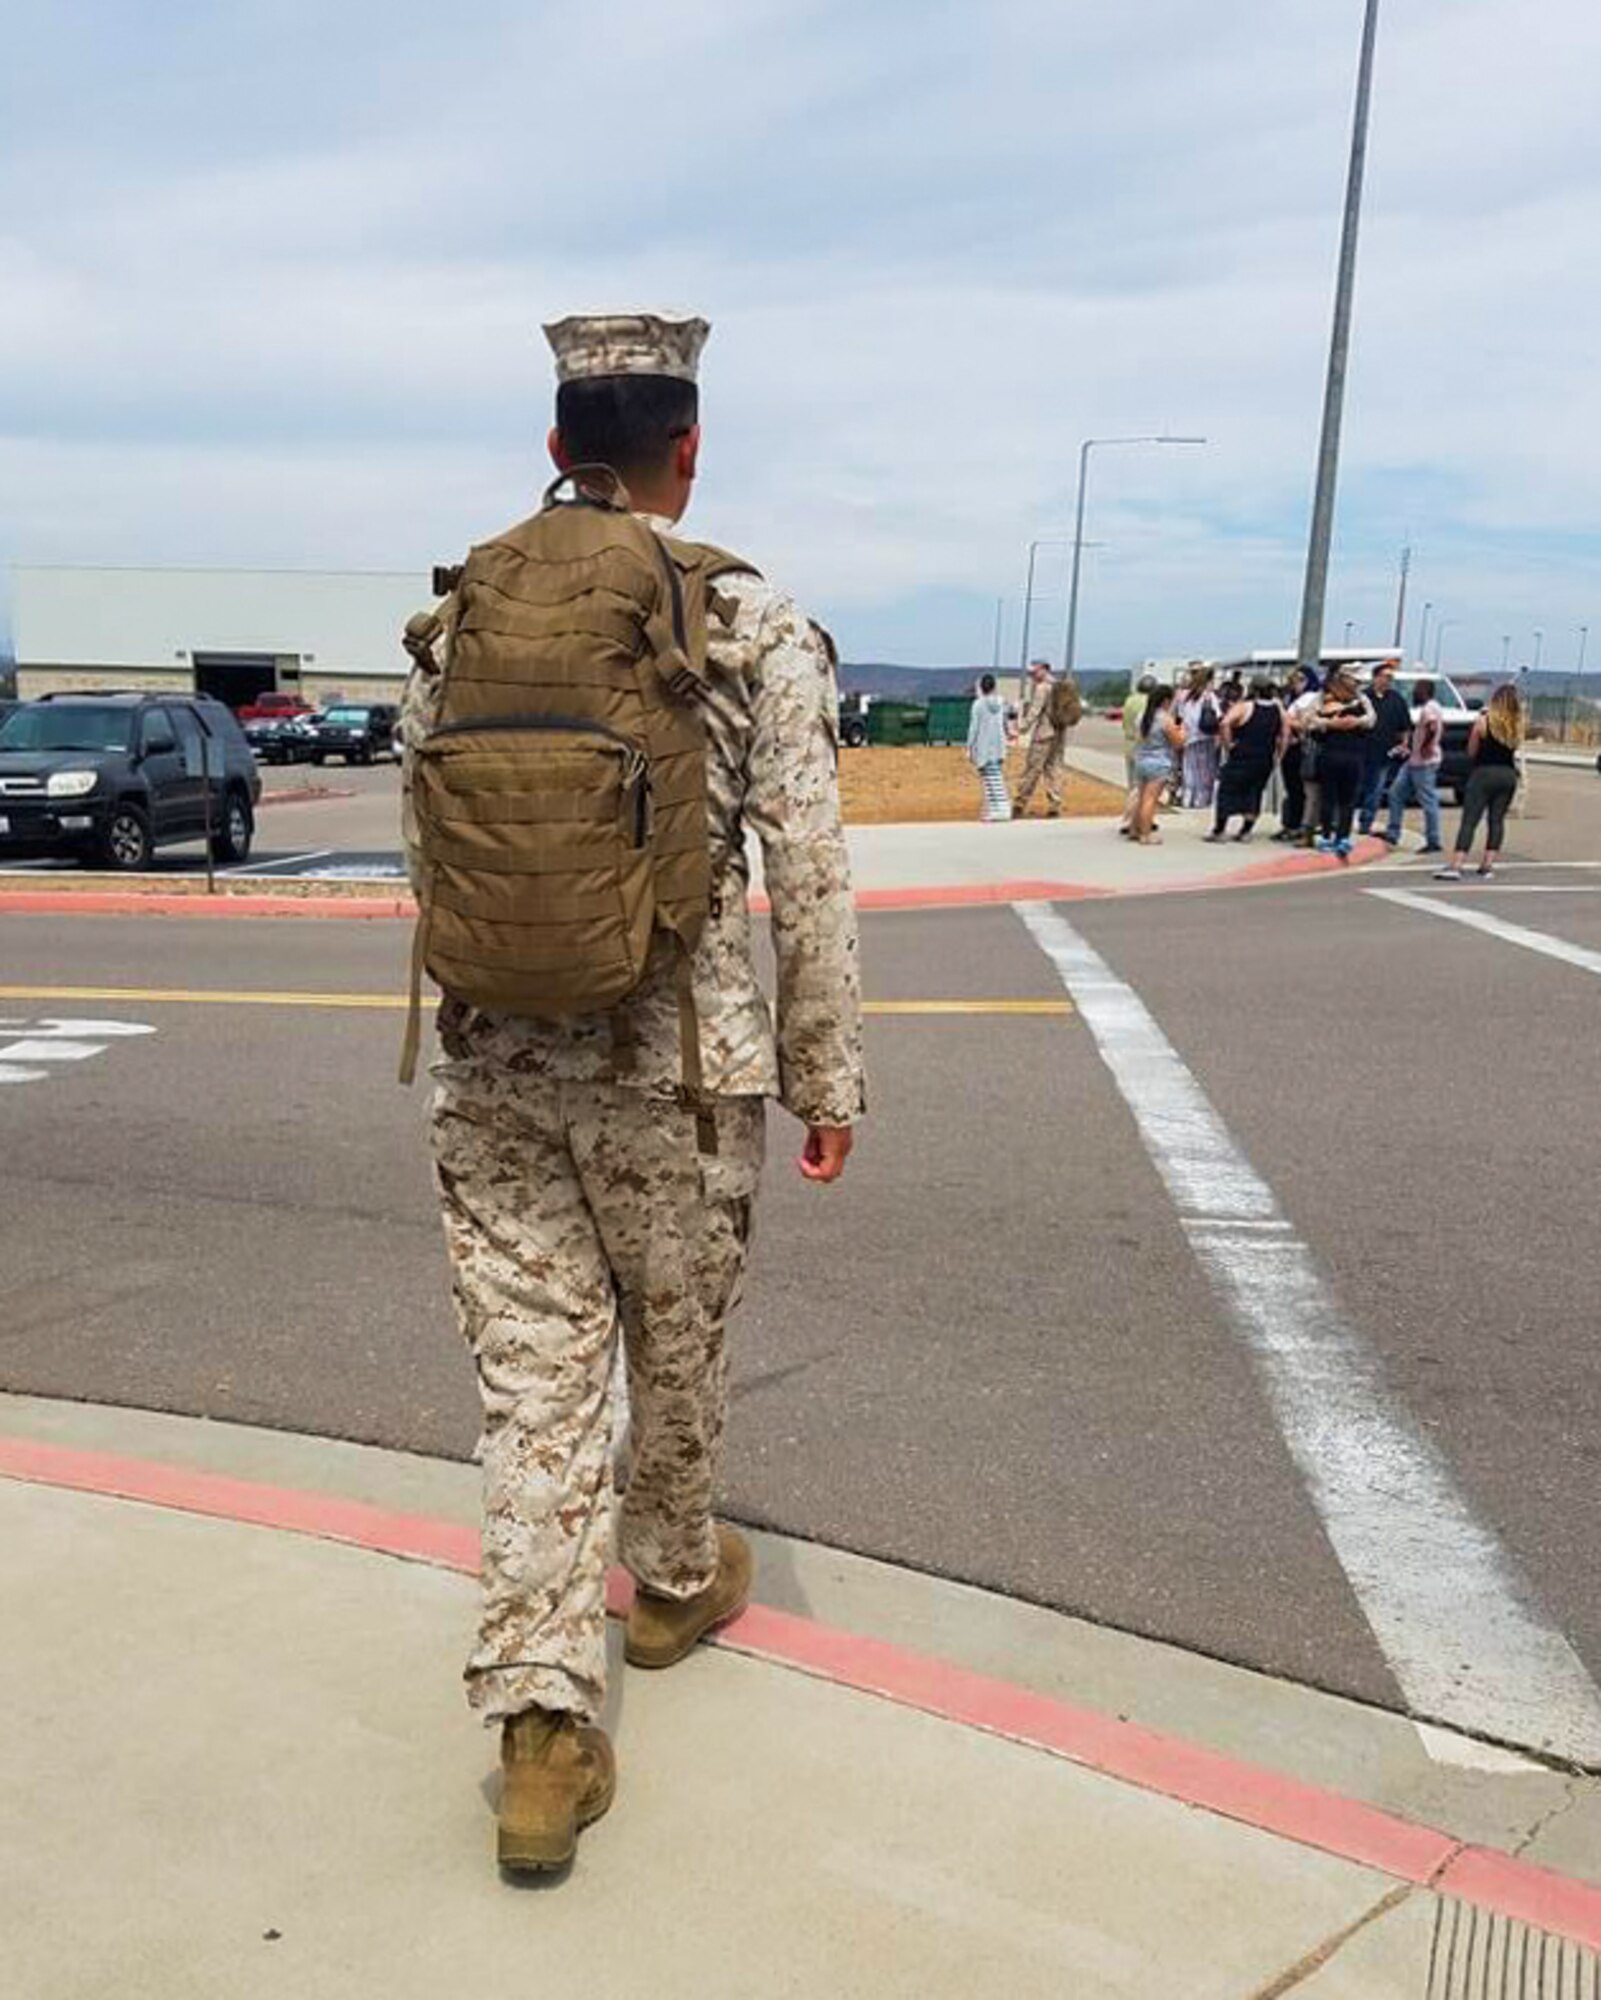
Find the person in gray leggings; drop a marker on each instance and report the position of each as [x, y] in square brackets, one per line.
[1493, 749]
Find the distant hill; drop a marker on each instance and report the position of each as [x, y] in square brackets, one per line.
[895, 683]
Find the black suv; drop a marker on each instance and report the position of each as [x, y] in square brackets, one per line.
[106, 778]
[356, 731]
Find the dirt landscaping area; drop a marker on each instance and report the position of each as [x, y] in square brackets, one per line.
[881, 787]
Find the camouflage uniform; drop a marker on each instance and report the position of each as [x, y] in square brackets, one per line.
[577, 1203]
[1046, 756]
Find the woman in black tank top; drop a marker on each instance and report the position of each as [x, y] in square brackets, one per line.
[1253, 735]
[1493, 747]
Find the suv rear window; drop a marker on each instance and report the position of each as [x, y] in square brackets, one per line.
[347, 718]
[58, 726]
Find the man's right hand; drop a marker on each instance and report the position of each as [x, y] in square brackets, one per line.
[827, 1149]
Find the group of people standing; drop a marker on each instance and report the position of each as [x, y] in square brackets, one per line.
[1344, 753]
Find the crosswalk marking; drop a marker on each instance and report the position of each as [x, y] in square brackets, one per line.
[1454, 912]
[1462, 1632]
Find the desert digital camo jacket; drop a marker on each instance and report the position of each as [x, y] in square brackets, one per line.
[772, 744]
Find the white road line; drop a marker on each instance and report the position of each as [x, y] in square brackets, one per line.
[284, 861]
[52, 1049]
[1497, 927]
[1462, 1632]
[1427, 867]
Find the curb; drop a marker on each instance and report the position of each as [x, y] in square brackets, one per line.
[309, 795]
[1168, 1766]
[136, 903]
[323, 900]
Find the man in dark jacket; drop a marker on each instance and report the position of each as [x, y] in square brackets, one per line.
[1386, 744]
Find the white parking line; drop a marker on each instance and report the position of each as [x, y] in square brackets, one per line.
[1497, 927]
[1458, 1625]
[283, 861]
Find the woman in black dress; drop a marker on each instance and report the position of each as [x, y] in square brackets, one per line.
[1253, 736]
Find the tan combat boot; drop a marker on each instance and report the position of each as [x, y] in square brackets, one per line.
[557, 1774]
[661, 1630]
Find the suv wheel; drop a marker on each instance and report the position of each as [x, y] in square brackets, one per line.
[231, 841]
[126, 845]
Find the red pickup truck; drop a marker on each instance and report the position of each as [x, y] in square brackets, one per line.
[270, 707]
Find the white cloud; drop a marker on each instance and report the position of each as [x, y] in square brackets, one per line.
[280, 305]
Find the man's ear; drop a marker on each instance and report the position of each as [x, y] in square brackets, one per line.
[560, 457]
[686, 460]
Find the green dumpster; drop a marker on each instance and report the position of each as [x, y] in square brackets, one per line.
[897, 723]
[948, 717]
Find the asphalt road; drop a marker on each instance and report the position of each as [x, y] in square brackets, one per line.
[991, 1352]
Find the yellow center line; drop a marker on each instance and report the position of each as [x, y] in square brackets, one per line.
[162, 996]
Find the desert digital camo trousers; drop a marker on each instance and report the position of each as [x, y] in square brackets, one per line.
[1046, 758]
[574, 1212]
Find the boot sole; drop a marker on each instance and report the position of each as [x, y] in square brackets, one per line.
[522, 1854]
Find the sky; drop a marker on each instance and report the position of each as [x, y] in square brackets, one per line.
[271, 280]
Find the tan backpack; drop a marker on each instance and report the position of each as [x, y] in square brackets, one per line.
[560, 798]
[1066, 705]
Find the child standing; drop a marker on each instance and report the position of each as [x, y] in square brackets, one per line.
[986, 750]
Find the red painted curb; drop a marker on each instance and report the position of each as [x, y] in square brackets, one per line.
[1205, 1779]
[310, 795]
[950, 896]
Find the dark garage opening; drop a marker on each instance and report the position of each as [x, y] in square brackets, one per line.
[236, 678]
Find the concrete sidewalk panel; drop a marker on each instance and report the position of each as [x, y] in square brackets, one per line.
[1322, 1739]
[221, 1734]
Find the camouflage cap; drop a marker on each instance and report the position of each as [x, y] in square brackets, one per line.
[590, 344]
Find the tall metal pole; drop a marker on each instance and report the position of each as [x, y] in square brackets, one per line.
[1317, 559]
[1506, 651]
[1070, 640]
[995, 650]
[1440, 631]
[1028, 610]
[1539, 648]
[1070, 643]
[1423, 629]
[1400, 598]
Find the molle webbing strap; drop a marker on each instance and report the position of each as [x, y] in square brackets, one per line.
[419, 959]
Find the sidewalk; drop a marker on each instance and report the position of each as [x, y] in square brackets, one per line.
[238, 1764]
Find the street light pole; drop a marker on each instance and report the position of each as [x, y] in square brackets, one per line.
[1317, 558]
[995, 650]
[1028, 607]
[1400, 596]
[1034, 547]
[1440, 631]
[1423, 629]
[1070, 640]
[1539, 644]
[1506, 652]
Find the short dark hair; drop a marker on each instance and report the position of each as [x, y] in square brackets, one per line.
[629, 422]
[1423, 691]
[987, 684]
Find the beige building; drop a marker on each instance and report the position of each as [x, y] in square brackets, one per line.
[229, 632]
